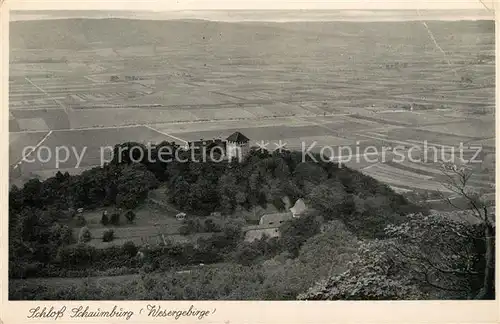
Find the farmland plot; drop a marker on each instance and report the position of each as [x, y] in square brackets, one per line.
[229, 125]
[316, 142]
[52, 118]
[90, 143]
[397, 177]
[34, 124]
[223, 113]
[258, 111]
[259, 133]
[487, 143]
[282, 109]
[411, 134]
[414, 118]
[18, 142]
[107, 117]
[467, 128]
[184, 96]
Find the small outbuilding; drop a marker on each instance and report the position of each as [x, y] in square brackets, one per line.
[181, 216]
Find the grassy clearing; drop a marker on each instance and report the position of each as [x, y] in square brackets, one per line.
[152, 224]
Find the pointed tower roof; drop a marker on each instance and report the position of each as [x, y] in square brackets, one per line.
[238, 138]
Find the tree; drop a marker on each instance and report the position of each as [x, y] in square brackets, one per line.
[130, 216]
[80, 220]
[457, 180]
[246, 253]
[130, 248]
[133, 185]
[372, 275]
[108, 235]
[309, 172]
[441, 252]
[191, 226]
[61, 234]
[322, 255]
[296, 231]
[104, 219]
[210, 226]
[432, 256]
[84, 236]
[330, 251]
[328, 197]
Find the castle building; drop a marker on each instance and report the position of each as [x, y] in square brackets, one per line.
[237, 146]
[207, 145]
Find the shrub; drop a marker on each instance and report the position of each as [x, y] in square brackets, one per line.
[84, 236]
[184, 230]
[77, 257]
[104, 219]
[130, 248]
[115, 219]
[210, 226]
[108, 235]
[130, 216]
[80, 220]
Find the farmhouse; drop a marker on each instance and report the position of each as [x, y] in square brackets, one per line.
[268, 226]
[275, 219]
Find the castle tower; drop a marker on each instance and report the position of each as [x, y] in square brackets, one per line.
[237, 146]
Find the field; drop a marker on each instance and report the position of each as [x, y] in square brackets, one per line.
[355, 84]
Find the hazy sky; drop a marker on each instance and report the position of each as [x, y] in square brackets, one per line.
[249, 4]
[260, 15]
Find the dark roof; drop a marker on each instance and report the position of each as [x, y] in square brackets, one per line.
[238, 138]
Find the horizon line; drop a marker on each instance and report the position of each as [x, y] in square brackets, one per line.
[260, 15]
[387, 20]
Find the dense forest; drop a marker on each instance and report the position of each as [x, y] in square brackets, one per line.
[361, 241]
